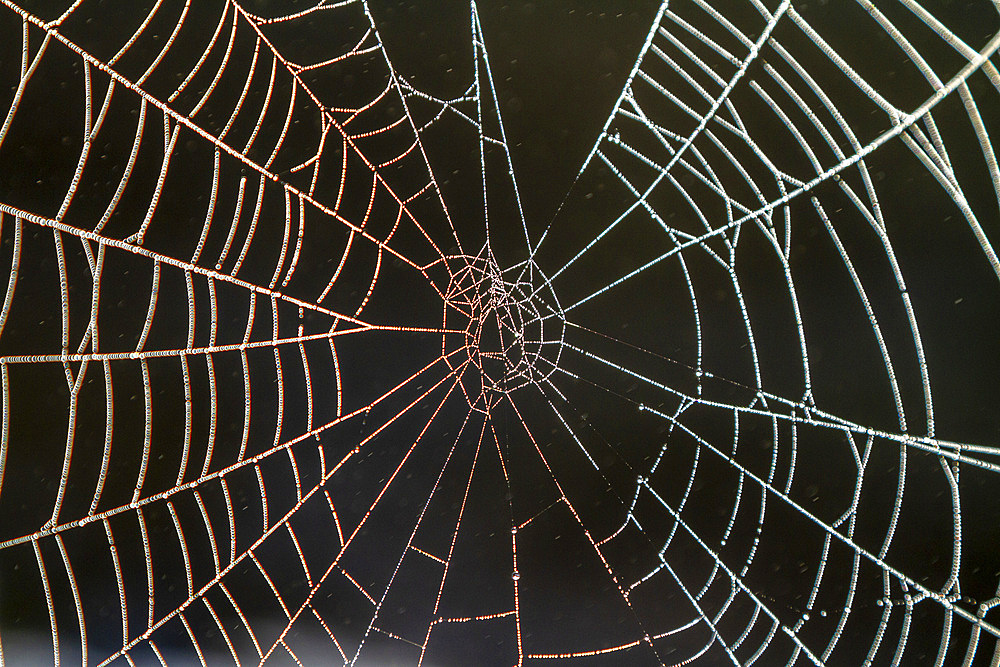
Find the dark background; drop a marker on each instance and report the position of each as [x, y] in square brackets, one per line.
[559, 67]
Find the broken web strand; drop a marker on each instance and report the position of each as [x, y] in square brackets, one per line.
[483, 74]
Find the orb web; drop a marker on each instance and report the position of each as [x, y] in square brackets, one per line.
[266, 398]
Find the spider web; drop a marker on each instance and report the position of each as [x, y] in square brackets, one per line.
[273, 391]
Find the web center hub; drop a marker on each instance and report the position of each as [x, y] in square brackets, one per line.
[504, 328]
